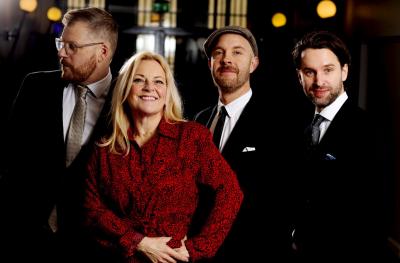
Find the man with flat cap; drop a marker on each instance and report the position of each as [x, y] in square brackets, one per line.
[260, 232]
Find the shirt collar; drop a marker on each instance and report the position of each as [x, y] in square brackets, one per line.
[237, 105]
[164, 129]
[101, 87]
[331, 110]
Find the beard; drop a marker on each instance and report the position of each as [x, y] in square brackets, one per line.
[78, 74]
[327, 100]
[230, 85]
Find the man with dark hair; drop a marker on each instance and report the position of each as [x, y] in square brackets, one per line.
[339, 191]
[55, 119]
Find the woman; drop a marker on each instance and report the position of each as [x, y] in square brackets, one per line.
[142, 189]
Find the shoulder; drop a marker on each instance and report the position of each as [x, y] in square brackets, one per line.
[43, 79]
[203, 114]
[355, 112]
[40, 82]
[54, 74]
[191, 130]
[192, 127]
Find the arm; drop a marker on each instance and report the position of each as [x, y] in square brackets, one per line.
[217, 174]
[110, 230]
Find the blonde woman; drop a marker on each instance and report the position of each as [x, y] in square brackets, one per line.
[142, 188]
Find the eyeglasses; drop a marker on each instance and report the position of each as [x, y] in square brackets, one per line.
[71, 48]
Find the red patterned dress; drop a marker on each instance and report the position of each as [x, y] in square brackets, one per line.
[153, 191]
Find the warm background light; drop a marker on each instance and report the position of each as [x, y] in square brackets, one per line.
[28, 5]
[54, 14]
[326, 9]
[278, 20]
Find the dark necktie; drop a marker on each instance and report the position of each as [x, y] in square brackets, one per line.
[315, 131]
[77, 123]
[219, 126]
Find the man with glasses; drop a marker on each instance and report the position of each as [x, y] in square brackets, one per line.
[41, 194]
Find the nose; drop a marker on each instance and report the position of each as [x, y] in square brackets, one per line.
[148, 86]
[62, 52]
[226, 58]
[319, 79]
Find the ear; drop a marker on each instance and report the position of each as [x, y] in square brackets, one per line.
[345, 72]
[254, 64]
[298, 72]
[104, 52]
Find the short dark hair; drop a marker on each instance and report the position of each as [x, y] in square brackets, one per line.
[99, 21]
[319, 40]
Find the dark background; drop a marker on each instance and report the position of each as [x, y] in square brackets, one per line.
[371, 28]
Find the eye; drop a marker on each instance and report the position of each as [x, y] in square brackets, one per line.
[217, 52]
[308, 73]
[327, 70]
[237, 52]
[159, 83]
[71, 46]
[138, 81]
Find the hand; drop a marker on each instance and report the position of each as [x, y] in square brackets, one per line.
[157, 250]
[182, 250]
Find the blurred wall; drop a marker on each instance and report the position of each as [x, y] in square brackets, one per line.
[375, 27]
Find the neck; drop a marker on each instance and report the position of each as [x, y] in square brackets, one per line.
[227, 98]
[145, 128]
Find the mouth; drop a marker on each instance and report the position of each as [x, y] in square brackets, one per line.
[227, 70]
[148, 98]
[65, 64]
[320, 92]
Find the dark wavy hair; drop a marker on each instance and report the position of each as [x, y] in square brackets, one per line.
[319, 40]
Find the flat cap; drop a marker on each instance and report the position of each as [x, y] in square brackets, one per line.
[244, 32]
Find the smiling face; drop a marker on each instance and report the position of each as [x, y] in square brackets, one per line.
[149, 89]
[321, 76]
[232, 61]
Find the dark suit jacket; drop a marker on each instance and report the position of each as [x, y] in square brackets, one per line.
[339, 193]
[36, 177]
[261, 230]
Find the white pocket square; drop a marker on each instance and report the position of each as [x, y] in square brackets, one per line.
[249, 149]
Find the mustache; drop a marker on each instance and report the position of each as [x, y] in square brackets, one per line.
[228, 68]
[65, 64]
[316, 86]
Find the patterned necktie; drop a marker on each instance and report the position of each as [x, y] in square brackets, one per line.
[77, 123]
[315, 131]
[219, 126]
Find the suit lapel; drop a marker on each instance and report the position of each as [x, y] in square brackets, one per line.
[335, 128]
[103, 123]
[212, 116]
[59, 86]
[240, 132]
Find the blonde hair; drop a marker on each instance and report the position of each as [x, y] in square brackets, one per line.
[120, 112]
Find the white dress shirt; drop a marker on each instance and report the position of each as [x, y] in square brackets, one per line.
[234, 110]
[330, 112]
[95, 100]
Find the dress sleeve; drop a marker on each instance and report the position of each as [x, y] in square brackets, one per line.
[216, 173]
[107, 228]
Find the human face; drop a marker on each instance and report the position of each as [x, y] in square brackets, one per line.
[149, 89]
[321, 76]
[232, 62]
[81, 65]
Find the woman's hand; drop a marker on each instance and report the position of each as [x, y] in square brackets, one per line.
[182, 250]
[157, 250]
